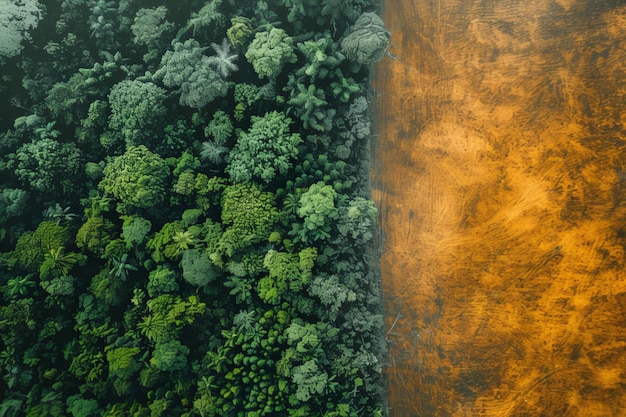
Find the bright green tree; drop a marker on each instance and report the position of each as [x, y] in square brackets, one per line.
[47, 166]
[248, 211]
[32, 247]
[137, 179]
[135, 107]
[270, 51]
[317, 209]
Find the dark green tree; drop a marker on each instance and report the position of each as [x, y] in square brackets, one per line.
[47, 166]
[266, 150]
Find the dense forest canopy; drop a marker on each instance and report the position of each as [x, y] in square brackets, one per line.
[185, 228]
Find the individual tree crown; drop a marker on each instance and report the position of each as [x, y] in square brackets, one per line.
[137, 179]
[367, 41]
[248, 210]
[188, 68]
[47, 166]
[264, 151]
[270, 51]
[317, 209]
[135, 105]
[16, 19]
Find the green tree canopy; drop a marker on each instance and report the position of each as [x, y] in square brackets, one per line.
[367, 41]
[170, 356]
[270, 51]
[189, 69]
[151, 29]
[248, 211]
[198, 270]
[17, 17]
[135, 106]
[317, 209]
[266, 150]
[32, 247]
[137, 179]
[47, 166]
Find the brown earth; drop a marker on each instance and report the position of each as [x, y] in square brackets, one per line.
[499, 173]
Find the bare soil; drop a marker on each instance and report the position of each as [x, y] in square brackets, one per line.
[499, 173]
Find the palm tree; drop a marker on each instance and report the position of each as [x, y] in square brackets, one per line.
[58, 263]
[20, 285]
[121, 266]
[223, 62]
[154, 327]
[213, 152]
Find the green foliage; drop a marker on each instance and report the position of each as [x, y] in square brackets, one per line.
[168, 315]
[202, 87]
[240, 31]
[213, 152]
[310, 105]
[367, 40]
[81, 407]
[317, 209]
[162, 244]
[185, 290]
[206, 23]
[223, 60]
[331, 293]
[358, 219]
[122, 361]
[12, 203]
[309, 379]
[270, 51]
[344, 88]
[198, 270]
[31, 247]
[47, 166]
[19, 286]
[16, 19]
[95, 234]
[170, 356]
[220, 128]
[68, 101]
[135, 229]
[162, 280]
[137, 179]
[188, 68]
[150, 26]
[248, 211]
[120, 266]
[107, 288]
[150, 29]
[135, 105]
[265, 150]
[61, 286]
[322, 58]
[57, 263]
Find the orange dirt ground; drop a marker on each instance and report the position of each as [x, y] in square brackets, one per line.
[499, 173]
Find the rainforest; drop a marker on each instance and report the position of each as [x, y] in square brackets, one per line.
[186, 226]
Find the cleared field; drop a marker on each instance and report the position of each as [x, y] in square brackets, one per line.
[499, 172]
